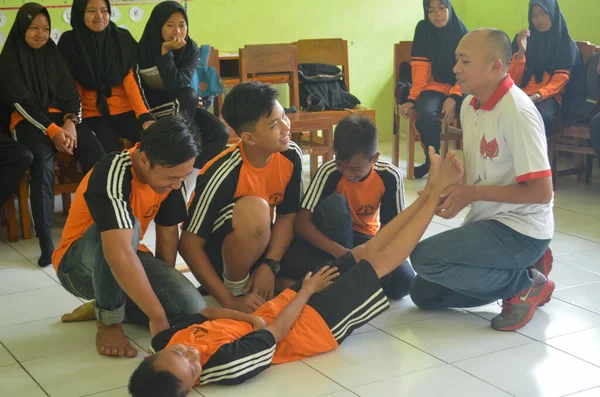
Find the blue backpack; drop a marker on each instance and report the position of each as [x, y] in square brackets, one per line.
[205, 80]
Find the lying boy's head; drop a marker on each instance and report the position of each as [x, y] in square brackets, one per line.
[252, 110]
[355, 146]
[171, 372]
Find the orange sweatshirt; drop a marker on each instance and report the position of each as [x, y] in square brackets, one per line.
[422, 80]
[125, 98]
[550, 87]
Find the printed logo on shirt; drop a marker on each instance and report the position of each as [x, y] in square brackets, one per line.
[151, 212]
[199, 332]
[275, 199]
[488, 150]
[366, 210]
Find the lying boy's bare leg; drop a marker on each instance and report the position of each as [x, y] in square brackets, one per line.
[387, 233]
[406, 231]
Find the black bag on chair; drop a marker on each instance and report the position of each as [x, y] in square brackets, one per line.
[404, 84]
[322, 88]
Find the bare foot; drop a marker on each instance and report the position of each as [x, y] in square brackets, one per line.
[111, 341]
[434, 169]
[451, 172]
[85, 312]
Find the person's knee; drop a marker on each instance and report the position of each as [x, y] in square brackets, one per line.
[188, 101]
[25, 156]
[252, 217]
[426, 111]
[396, 285]
[420, 257]
[420, 293]
[334, 207]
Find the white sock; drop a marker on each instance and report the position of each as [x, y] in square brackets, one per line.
[236, 287]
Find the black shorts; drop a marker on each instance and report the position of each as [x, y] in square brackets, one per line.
[353, 300]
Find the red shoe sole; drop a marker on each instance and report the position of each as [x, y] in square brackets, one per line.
[544, 297]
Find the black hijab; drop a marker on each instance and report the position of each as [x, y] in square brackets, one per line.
[151, 41]
[548, 51]
[98, 61]
[439, 44]
[34, 77]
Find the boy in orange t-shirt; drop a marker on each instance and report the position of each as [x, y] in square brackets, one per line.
[346, 203]
[228, 347]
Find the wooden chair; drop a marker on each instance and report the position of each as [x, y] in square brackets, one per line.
[213, 60]
[331, 52]
[9, 212]
[274, 63]
[574, 138]
[301, 124]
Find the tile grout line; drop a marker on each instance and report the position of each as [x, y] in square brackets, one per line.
[24, 369]
[326, 376]
[482, 380]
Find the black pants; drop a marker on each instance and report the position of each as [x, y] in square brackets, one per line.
[429, 105]
[88, 152]
[595, 133]
[109, 129]
[184, 101]
[15, 159]
[549, 110]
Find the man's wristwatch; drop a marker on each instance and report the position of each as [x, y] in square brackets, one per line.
[273, 264]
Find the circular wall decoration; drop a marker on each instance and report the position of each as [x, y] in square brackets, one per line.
[136, 13]
[124, 27]
[55, 35]
[115, 14]
[3, 20]
[67, 16]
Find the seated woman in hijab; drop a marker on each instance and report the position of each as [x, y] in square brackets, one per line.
[167, 59]
[544, 56]
[434, 87]
[103, 60]
[37, 83]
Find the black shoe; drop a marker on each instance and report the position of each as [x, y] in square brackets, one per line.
[422, 170]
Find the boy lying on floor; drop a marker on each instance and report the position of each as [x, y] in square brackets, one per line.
[228, 347]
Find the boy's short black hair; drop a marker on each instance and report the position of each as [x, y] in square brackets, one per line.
[246, 103]
[148, 382]
[355, 135]
[170, 141]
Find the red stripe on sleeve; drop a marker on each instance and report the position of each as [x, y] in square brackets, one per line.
[534, 175]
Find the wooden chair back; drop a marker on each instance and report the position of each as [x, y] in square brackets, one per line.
[272, 59]
[329, 51]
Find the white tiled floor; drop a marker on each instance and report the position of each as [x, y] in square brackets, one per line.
[404, 352]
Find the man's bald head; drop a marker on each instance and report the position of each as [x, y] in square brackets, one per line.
[497, 45]
[483, 57]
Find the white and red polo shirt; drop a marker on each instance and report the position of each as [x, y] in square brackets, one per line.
[504, 144]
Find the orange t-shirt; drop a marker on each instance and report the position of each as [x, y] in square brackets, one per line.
[112, 197]
[376, 199]
[551, 86]
[125, 98]
[224, 341]
[230, 176]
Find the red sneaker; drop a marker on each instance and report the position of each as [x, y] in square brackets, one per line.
[544, 264]
[518, 310]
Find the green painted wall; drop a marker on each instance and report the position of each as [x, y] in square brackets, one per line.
[511, 16]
